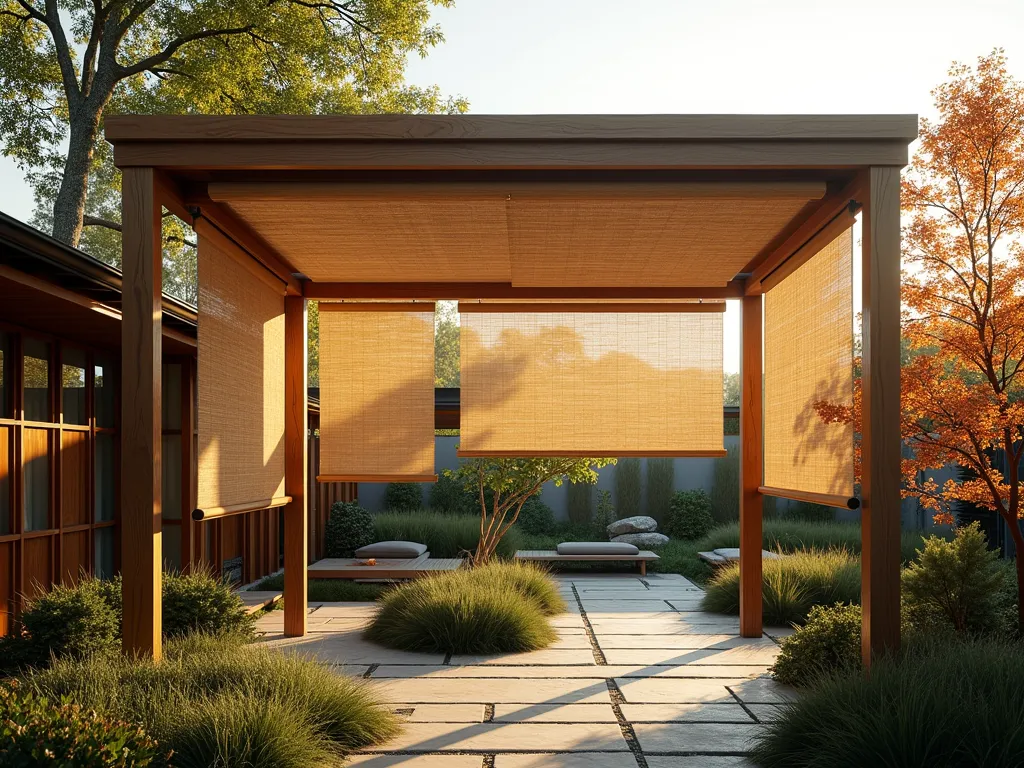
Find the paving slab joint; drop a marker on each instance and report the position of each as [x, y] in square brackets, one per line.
[488, 761]
[370, 670]
[599, 658]
[488, 713]
[447, 659]
[625, 727]
[742, 704]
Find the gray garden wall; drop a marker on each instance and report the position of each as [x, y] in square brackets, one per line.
[689, 474]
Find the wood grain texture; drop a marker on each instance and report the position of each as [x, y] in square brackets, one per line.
[600, 307]
[751, 467]
[710, 154]
[74, 478]
[141, 372]
[121, 128]
[880, 430]
[480, 290]
[296, 467]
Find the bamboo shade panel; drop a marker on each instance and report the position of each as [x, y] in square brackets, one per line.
[808, 362]
[551, 380]
[377, 392]
[241, 378]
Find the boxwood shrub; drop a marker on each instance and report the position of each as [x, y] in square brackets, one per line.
[828, 642]
[689, 515]
[348, 528]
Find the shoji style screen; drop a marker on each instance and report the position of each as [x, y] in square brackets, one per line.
[591, 379]
[377, 392]
[808, 364]
[241, 379]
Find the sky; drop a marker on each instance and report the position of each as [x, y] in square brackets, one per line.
[696, 56]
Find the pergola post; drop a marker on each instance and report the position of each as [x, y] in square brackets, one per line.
[295, 466]
[751, 467]
[142, 309]
[880, 428]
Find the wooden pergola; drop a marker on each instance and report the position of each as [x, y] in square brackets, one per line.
[277, 186]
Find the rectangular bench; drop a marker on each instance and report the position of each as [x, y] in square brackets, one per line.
[551, 556]
[384, 570]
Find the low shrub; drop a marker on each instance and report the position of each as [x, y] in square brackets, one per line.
[954, 704]
[403, 497]
[828, 642]
[34, 731]
[536, 518]
[444, 535]
[791, 585]
[465, 612]
[680, 556]
[348, 528]
[955, 584]
[689, 516]
[73, 621]
[221, 701]
[525, 578]
[199, 602]
[448, 497]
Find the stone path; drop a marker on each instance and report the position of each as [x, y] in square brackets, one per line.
[639, 676]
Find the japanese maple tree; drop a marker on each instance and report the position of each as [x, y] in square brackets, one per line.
[963, 297]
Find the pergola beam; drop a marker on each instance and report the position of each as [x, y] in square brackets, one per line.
[751, 466]
[296, 466]
[471, 291]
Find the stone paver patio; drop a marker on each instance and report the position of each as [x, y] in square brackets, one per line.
[639, 676]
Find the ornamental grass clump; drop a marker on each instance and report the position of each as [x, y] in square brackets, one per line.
[226, 702]
[526, 578]
[791, 585]
[489, 609]
[940, 704]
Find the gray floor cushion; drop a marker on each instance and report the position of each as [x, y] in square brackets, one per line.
[597, 548]
[392, 549]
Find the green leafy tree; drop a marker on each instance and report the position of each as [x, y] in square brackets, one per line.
[446, 344]
[512, 481]
[63, 66]
[731, 388]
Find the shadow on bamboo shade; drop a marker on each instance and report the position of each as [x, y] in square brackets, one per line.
[377, 391]
[241, 377]
[559, 381]
[808, 364]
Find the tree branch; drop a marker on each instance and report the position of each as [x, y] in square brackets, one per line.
[64, 60]
[157, 59]
[96, 221]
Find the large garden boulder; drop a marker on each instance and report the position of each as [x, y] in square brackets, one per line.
[638, 524]
[647, 540]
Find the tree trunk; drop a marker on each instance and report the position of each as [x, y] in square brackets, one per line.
[69, 205]
[1018, 543]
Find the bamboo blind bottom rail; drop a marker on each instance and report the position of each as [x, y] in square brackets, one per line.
[376, 478]
[619, 454]
[829, 500]
[211, 513]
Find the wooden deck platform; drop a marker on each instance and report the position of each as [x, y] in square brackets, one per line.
[551, 556]
[384, 570]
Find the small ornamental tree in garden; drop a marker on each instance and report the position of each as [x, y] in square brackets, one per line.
[512, 481]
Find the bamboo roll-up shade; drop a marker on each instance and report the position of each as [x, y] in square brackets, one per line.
[808, 375]
[377, 392]
[241, 377]
[552, 380]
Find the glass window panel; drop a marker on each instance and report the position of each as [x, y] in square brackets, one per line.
[172, 396]
[5, 480]
[5, 375]
[36, 478]
[72, 381]
[104, 481]
[171, 484]
[37, 380]
[104, 543]
[103, 394]
[172, 547]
